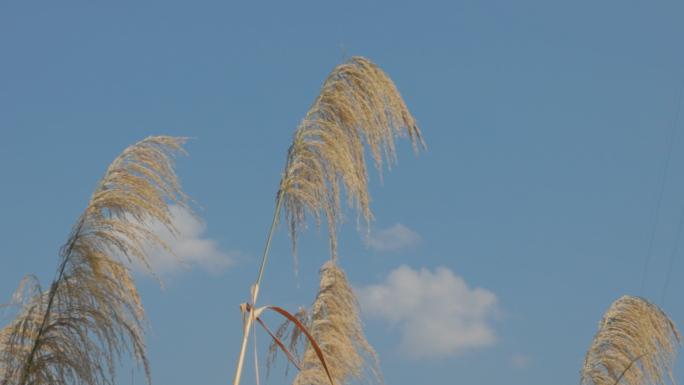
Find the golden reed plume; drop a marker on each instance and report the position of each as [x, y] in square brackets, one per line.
[635, 341]
[358, 104]
[358, 101]
[334, 322]
[77, 330]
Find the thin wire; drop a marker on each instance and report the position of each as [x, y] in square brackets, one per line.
[662, 188]
[672, 257]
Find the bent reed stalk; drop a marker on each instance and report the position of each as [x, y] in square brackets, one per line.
[358, 104]
[635, 341]
[92, 313]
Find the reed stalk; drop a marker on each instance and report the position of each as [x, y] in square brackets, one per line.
[358, 104]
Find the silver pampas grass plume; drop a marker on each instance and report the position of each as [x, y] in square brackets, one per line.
[335, 324]
[77, 330]
[635, 345]
[358, 103]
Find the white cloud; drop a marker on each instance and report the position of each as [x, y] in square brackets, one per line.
[437, 313]
[189, 246]
[519, 361]
[394, 238]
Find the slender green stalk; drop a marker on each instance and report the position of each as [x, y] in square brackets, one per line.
[250, 320]
[268, 241]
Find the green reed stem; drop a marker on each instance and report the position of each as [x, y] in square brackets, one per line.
[250, 320]
[270, 235]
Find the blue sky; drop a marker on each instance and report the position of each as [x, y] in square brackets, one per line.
[533, 209]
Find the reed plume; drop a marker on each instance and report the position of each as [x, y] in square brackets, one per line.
[334, 323]
[358, 101]
[635, 342]
[92, 314]
[358, 104]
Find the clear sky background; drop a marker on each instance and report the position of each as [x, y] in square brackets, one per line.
[546, 192]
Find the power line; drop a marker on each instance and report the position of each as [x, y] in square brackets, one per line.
[660, 194]
[672, 257]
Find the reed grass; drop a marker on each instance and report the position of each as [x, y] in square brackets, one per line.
[77, 330]
[358, 104]
[334, 322]
[635, 345]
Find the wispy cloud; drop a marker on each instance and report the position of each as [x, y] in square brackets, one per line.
[189, 246]
[394, 238]
[437, 313]
[519, 361]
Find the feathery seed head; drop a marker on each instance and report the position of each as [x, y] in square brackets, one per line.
[335, 324]
[635, 341]
[358, 103]
[92, 314]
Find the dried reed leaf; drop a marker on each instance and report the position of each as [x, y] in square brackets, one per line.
[335, 324]
[296, 336]
[300, 327]
[281, 345]
[635, 342]
[92, 314]
[358, 103]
